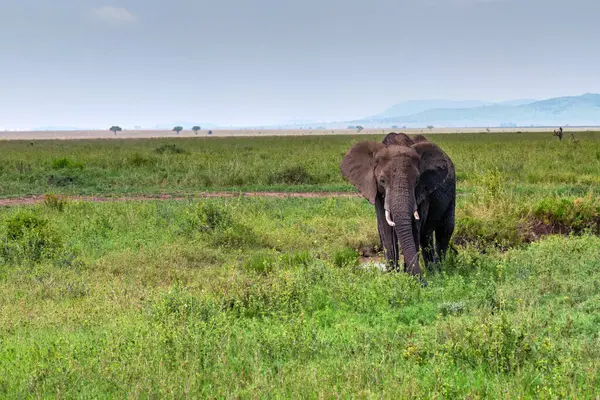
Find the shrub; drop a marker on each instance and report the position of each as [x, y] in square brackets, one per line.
[29, 239]
[62, 163]
[216, 223]
[578, 214]
[493, 342]
[212, 216]
[55, 202]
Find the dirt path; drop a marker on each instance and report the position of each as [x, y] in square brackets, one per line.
[98, 199]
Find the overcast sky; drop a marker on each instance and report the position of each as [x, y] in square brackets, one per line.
[129, 62]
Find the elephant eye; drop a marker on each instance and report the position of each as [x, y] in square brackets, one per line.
[382, 180]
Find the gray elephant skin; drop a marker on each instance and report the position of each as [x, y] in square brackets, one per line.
[412, 184]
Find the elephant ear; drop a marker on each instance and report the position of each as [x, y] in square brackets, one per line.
[435, 167]
[419, 139]
[399, 139]
[358, 166]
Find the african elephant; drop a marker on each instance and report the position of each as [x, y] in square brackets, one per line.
[412, 184]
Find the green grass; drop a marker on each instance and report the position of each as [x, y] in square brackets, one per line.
[265, 298]
[532, 162]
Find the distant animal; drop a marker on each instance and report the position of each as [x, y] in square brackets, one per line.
[412, 184]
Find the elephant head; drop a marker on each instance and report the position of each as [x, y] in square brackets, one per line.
[397, 175]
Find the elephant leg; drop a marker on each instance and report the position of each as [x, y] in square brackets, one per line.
[425, 237]
[428, 250]
[387, 235]
[444, 232]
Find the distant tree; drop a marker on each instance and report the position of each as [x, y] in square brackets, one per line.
[351, 127]
[210, 132]
[559, 133]
[178, 129]
[430, 127]
[359, 128]
[196, 129]
[394, 126]
[115, 129]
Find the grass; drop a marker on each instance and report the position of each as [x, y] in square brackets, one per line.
[532, 162]
[265, 297]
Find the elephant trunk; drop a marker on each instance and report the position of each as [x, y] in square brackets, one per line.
[403, 211]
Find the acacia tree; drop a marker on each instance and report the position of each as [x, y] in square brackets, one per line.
[178, 129]
[115, 129]
[359, 128]
[196, 129]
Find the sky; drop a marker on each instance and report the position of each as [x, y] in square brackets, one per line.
[93, 63]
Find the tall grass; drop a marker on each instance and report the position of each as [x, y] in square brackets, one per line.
[531, 162]
[256, 297]
[266, 298]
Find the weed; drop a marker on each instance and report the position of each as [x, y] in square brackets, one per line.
[345, 258]
[55, 202]
[63, 162]
[452, 308]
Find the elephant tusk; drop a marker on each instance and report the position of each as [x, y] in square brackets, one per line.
[416, 214]
[388, 218]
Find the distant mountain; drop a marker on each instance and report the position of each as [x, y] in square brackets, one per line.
[416, 106]
[518, 102]
[572, 110]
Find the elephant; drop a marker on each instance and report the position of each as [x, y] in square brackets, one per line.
[412, 184]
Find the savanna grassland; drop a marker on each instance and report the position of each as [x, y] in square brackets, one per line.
[256, 297]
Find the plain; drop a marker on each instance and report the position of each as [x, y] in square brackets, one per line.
[256, 297]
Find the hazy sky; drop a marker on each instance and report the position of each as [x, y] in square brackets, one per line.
[129, 62]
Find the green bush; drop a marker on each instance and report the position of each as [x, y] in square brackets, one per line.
[573, 214]
[61, 163]
[216, 223]
[493, 342]
[29, 239]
